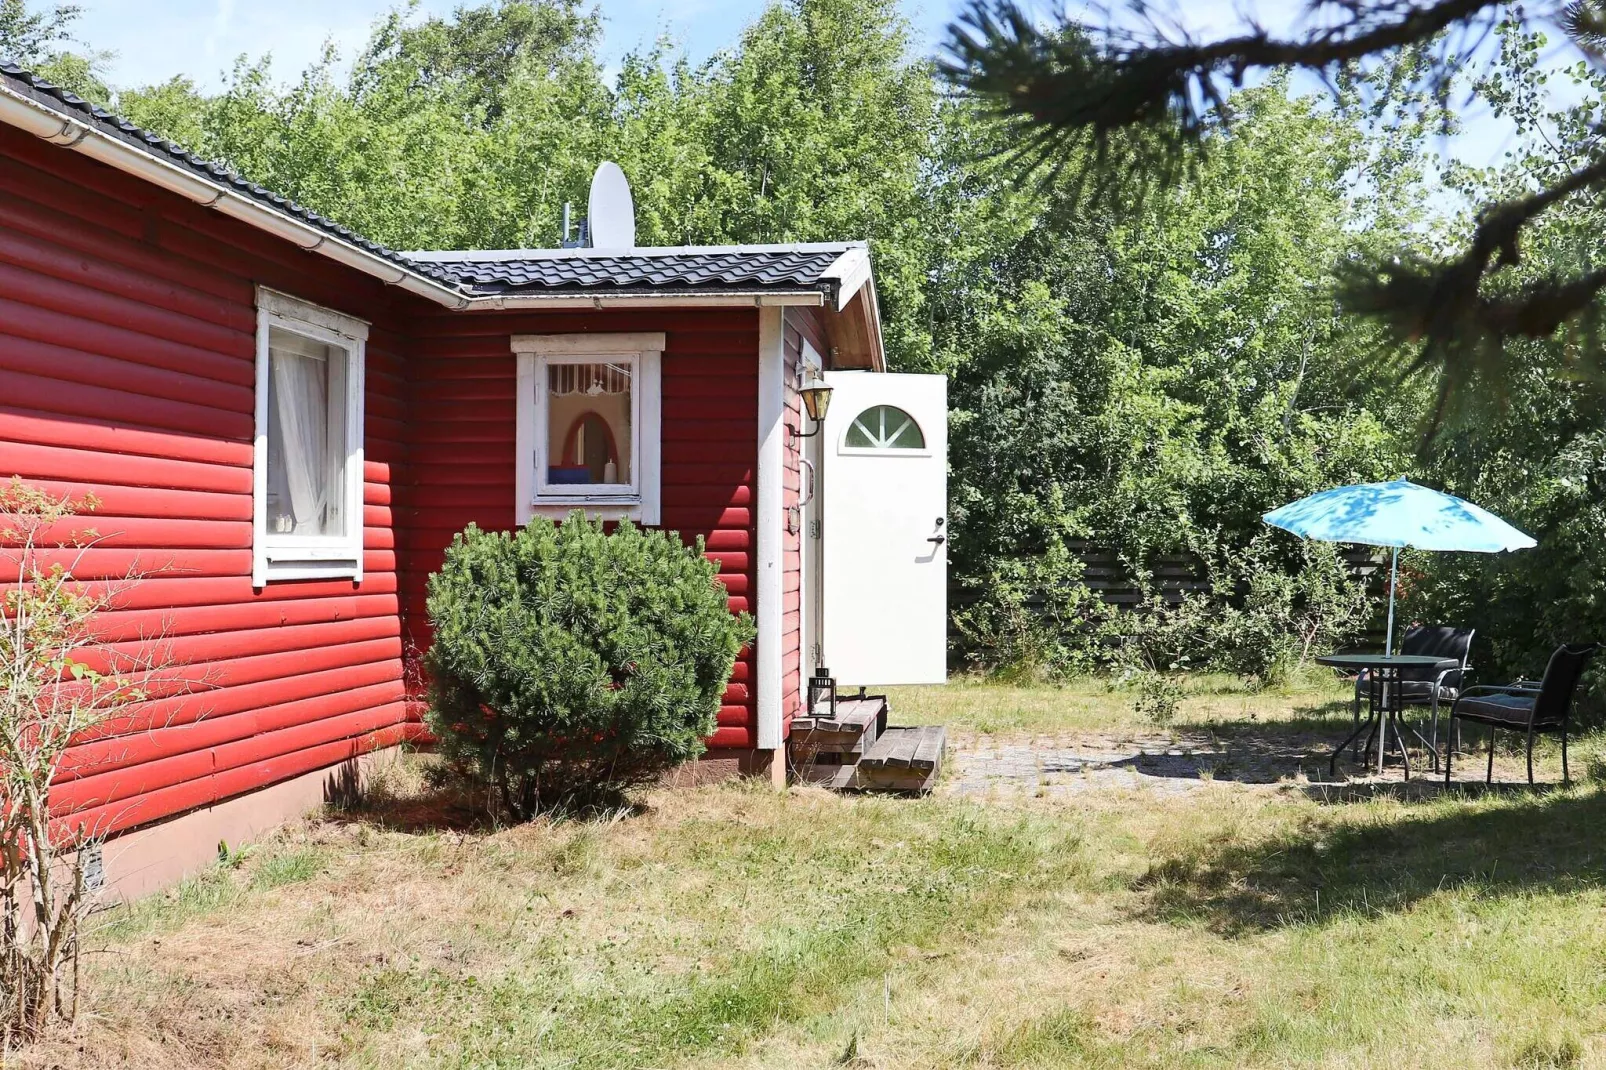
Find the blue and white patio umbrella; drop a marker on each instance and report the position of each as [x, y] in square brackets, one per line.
[1397, 514]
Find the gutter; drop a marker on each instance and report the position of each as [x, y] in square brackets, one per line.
[705, 299]
[26, 114]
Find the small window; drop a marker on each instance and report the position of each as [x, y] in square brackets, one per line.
[306, 435]
[588, 423]
[884, 427]
[591, 423]
[308, 464]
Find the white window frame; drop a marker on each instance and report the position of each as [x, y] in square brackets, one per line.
[639, 500]
[278, 556]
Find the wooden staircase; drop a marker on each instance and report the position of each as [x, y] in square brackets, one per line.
[854, 749]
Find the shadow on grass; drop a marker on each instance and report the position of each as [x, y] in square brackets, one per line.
[1252, 750]
[445, 809]
[1502, 841]
[1245, 750]
[1326, 713]
[447, 803]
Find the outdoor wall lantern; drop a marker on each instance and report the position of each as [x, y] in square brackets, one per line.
[816, 400]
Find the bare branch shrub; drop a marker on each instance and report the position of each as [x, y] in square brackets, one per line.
[61, 681]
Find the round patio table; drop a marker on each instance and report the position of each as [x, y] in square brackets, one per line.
[1383, 705]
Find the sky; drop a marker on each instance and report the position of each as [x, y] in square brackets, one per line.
[156, 39]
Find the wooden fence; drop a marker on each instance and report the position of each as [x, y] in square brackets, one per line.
[1176, 575]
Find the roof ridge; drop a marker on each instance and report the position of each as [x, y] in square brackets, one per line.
[491, 256]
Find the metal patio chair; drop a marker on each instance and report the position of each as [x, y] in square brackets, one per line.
[1525, 706]
[1429, 687]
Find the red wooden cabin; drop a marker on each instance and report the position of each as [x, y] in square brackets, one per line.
[285, 424]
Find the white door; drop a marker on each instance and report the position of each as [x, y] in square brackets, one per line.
[884, 526]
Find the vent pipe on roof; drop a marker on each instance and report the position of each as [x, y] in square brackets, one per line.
[578, 241]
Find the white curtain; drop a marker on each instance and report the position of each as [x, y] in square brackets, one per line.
[300, 370]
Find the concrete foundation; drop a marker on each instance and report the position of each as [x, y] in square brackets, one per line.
[152, 858]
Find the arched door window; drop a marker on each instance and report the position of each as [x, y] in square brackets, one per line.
[884, 427]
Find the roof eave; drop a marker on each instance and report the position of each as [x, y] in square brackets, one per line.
[492, 256]
[27, 114]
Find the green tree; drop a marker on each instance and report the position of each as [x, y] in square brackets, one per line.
[32, 38]
[1131, 103]
[1150, 377]
[42, 41]
[1531, 442]
[473, 131]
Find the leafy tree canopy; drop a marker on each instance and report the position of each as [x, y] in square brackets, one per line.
[42, 41]
[1145, 100]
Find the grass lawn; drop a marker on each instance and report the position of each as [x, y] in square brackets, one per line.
[737, 926]
[989, 709]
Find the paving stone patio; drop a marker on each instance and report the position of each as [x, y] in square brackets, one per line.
[1007, 768]
[1048, 766]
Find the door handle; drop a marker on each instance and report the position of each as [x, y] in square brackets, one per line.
[938, 539]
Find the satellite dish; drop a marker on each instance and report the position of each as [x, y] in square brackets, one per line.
[612, 213]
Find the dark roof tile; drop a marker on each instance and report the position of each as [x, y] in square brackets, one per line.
[737, 268]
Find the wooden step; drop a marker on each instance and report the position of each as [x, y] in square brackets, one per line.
[851, 729]
[851, 714]
[904, 759]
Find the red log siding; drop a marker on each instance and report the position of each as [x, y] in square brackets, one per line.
[462, 448]
[127, 326]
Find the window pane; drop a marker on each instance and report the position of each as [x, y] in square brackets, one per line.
[306, 436]
[884, 427]
[589, 438]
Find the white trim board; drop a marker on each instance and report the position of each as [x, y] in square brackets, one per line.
[770, 522]
[578, 345]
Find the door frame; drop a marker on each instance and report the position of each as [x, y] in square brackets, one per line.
[811, 563]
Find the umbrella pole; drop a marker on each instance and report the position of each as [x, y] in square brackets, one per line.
[1394, 575]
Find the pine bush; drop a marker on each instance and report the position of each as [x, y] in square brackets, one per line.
[571, 663]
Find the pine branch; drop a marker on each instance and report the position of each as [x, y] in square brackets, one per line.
[1585, 22]
[1078, 82]
[1076, 87]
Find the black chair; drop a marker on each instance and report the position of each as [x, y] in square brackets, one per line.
[1526, 707]
[1429, 687]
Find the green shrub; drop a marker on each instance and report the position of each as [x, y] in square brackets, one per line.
[1159, 698]
[570, 663]
[1262, 617]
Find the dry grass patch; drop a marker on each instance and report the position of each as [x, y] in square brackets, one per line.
[633, 939]
[734, 926]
